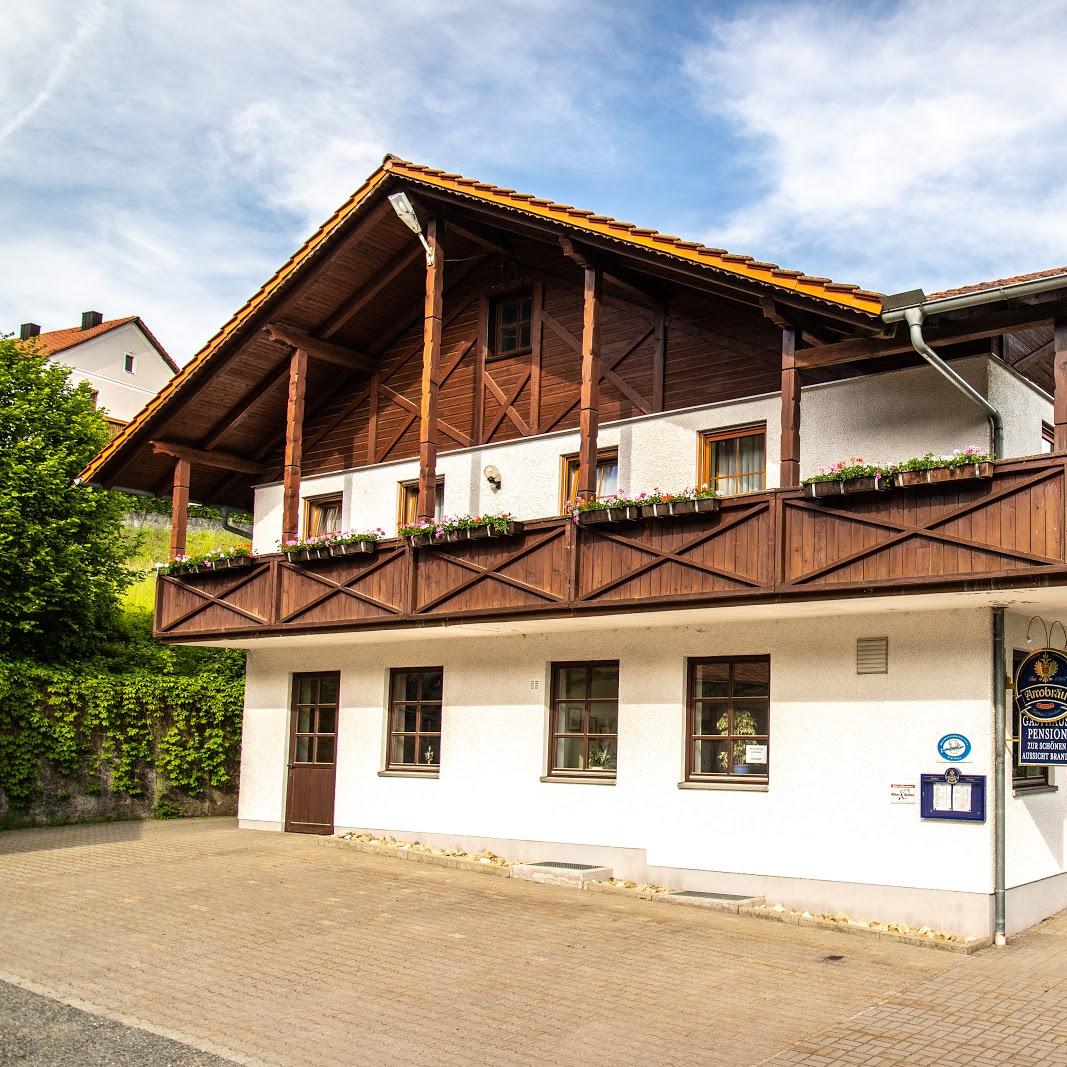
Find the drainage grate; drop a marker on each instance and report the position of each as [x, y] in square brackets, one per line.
[566, 866]
[709, 896]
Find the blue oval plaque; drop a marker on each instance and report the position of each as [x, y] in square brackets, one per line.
[1041, 685]
[954, 747]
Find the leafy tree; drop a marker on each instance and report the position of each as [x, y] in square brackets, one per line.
[62, 545]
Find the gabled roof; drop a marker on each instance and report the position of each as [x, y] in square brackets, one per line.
[862, 303]
[56, 341]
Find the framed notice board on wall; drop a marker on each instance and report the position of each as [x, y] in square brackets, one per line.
[953, 796]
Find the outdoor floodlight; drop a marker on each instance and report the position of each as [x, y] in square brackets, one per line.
[406, 213]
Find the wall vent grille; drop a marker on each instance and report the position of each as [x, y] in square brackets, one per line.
[872, 655]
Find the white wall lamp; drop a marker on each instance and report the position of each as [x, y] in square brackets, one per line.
[406, 213]
[492, 476]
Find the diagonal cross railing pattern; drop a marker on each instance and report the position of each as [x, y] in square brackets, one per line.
[774, 546]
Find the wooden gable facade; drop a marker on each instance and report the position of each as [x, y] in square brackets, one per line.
[677, 325]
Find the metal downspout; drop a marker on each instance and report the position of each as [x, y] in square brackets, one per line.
[1000, 771]
[913, 316]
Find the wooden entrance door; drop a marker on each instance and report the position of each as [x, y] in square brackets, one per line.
[312, 753]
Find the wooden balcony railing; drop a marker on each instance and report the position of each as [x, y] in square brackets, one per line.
[774, 546]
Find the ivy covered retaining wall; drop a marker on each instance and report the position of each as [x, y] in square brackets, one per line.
[86, 741]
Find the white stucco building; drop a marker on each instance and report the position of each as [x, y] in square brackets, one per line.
[121, 360]
[770, 696]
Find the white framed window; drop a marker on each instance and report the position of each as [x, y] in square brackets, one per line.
[129, 363]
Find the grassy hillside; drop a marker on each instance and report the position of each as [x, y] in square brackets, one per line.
[155, 547]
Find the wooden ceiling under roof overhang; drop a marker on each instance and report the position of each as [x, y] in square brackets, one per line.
[357, 285]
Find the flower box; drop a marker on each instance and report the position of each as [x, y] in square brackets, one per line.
[349, 548]
[209, 567]
[463, 534]
[971, 472]
[479, 533]
[846, 487]
[669, 509]
[624, 513]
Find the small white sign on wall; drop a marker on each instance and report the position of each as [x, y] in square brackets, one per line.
[755, 753]
[902, 793]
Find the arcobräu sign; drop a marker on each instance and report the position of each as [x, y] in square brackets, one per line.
[1041, 697]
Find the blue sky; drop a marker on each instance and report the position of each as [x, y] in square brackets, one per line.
[163, 157]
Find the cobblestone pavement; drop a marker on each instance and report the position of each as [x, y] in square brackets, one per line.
[37, 1031]
[267, 948]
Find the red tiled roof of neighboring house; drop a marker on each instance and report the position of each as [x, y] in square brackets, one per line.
[55, 341]
[977, 287]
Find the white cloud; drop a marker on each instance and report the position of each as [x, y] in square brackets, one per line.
[163, 158]
[926, 145]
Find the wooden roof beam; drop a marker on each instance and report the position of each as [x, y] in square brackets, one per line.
[359, 300]
[326, 351]
[491, 242]
[202, 457]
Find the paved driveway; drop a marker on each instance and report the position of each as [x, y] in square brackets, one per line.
[268, 948]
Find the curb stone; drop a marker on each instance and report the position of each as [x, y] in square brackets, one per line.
[455, 863]
[965, 948]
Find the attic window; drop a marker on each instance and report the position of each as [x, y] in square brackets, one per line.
[510, 331]
[129, 362]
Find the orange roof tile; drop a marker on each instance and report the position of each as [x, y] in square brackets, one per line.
[841, 294]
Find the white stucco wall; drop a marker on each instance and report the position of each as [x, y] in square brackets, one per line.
[838, 740]
[882, 418]
[100, 361]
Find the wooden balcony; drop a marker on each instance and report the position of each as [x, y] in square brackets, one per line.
[768, 547]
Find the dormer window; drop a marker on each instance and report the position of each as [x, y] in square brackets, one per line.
[510, 325]
[129, 363]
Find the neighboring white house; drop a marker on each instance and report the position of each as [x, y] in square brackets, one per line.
[120, 358]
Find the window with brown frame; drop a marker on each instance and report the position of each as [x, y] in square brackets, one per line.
[315, 706]
[408, 502]
[1023, 775]
[1048, 437]
[607, 476]
[415, 701]
[510, 325]
[734, 461]
[729, 712]
[322, 515]
[585, 719]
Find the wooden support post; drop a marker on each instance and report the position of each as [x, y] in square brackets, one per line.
[179, 512]
[431, 362]
[589, 412]
[1059, 347]
[790, 469]
[294, 445]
